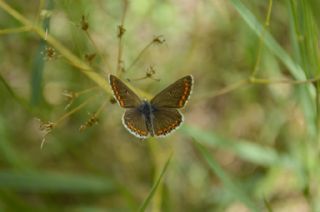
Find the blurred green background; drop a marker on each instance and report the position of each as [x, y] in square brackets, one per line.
[250, 141]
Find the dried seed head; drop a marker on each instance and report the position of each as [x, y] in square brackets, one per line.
[84, 23]
[159, 39]
[46, 127]
[121, 31]
[150, 73]
[89, 123]
[90, 57]
[49, 53]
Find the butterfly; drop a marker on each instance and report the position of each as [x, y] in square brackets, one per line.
[158, 117]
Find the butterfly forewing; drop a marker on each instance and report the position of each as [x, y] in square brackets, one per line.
[175, 95]
[135, 122]
[124, 95]
[165, 120]
[160, 116]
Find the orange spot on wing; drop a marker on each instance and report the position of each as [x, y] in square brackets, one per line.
[136, 130]
[180, 103]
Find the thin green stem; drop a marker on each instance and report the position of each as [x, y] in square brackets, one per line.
[140, 55]
[120, 36]
[155, 187]
[13, 94]
[284, 81]
[103, 105]
[225, 90]
[266, 25]
[15, 30]
[73, 110]
[69, 56]
[41, 3]
[97, 49]
[86, 90]
[253, 80]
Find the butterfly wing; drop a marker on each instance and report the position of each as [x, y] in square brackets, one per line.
[166, 120]
[124, 95]
[135, 123]
[175, 95]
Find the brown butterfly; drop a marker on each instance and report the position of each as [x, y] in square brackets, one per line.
[157, 117]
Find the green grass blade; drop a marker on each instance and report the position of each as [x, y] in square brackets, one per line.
[305, 41]
[8, 153]
[268, 206]
[36, 79]
[18, 99]
[246, 150]
[305, 92]
[146, 202]
[37, 72]
[234, 189]
[53, 182]
[269, 41]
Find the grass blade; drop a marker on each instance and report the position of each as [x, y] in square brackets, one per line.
[305, 92]
[37, 72]
[246, 150]
[269, 41]
[8, 152]
[17, 98]
[53, 182]
[155, 186]
[268, 206]
[234, 189]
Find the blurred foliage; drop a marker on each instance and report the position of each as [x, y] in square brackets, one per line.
[250, 141]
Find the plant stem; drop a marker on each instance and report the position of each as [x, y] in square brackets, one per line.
[74, 60]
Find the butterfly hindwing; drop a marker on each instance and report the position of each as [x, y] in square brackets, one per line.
[175, 95]
[166, 120]
[124, 95]
[135, 123]
[160, 116]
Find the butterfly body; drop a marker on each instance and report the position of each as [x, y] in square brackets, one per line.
[147, 111]
[157, 117]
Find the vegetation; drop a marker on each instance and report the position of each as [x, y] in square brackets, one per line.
[251, 137]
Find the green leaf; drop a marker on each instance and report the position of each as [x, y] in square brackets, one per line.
[146, 202]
